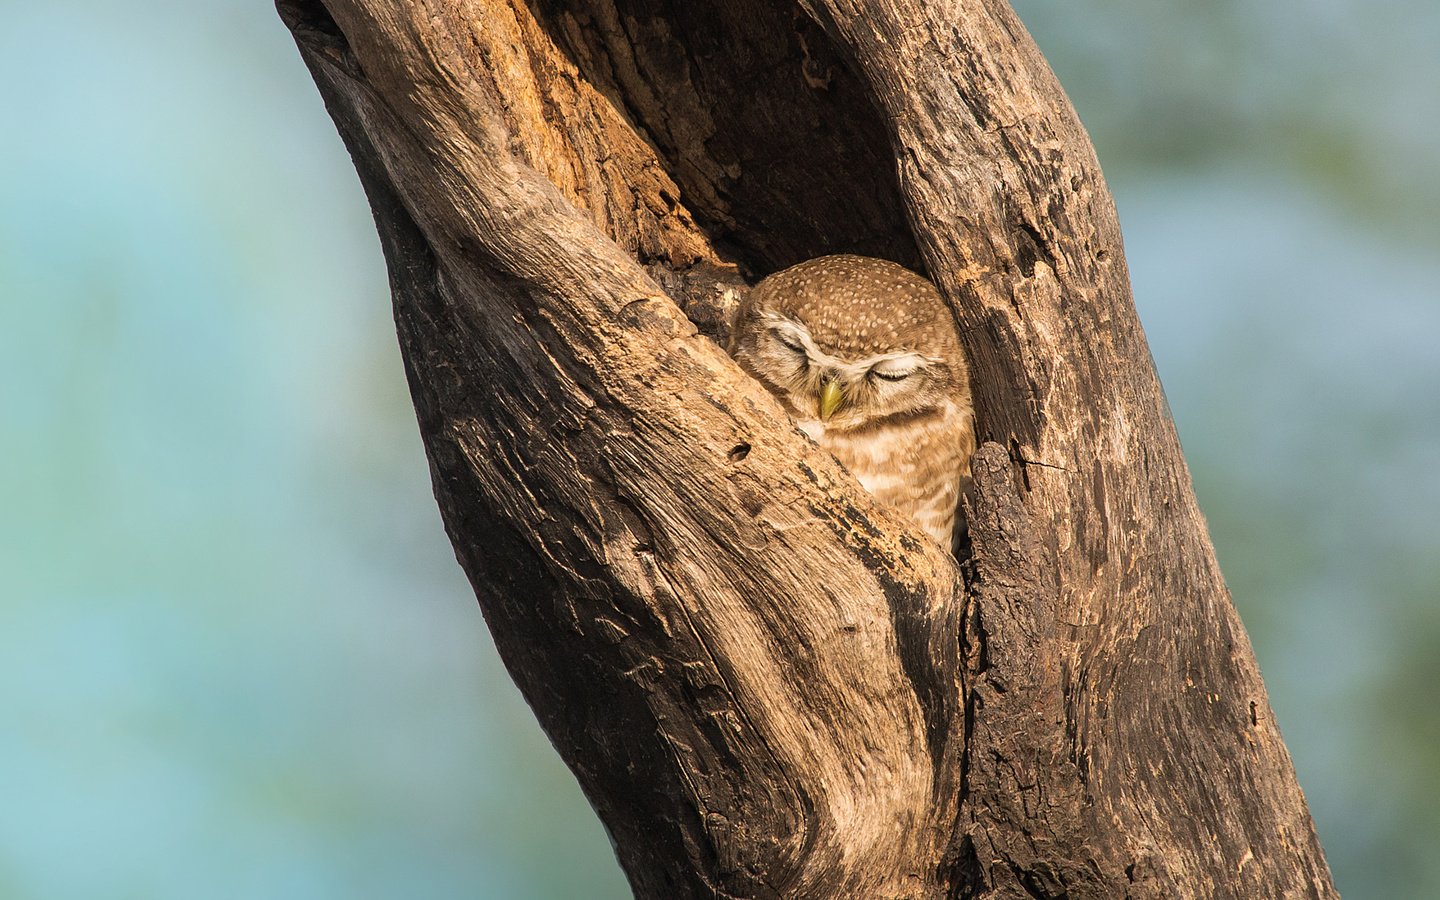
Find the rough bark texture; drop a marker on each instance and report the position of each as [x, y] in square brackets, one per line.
[767, 685]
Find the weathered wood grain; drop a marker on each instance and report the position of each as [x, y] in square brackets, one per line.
[767, 685]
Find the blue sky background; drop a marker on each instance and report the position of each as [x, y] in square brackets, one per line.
[237, 658]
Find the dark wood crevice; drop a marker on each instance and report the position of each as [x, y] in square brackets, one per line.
[776, 165]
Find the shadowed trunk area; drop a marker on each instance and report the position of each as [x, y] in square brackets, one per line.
[774, 143]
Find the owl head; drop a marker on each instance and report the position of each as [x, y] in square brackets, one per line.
[851, 343]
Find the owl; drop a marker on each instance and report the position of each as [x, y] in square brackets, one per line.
[865, 357]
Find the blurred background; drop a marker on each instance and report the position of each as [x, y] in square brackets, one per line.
[237, 658]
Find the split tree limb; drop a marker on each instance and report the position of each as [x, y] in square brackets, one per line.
[768, 685]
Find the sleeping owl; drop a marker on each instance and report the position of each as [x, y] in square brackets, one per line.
[865, 357]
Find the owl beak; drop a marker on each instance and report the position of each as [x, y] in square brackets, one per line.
[831, 399]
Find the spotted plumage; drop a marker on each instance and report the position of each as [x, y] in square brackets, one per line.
[865, 356]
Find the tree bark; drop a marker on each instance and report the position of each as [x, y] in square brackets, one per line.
[767, 685]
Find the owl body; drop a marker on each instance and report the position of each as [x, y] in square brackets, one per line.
[865, 357]
[915, 466]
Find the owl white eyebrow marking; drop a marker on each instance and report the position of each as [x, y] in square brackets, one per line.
[797, 333]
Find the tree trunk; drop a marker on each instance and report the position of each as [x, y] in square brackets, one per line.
[767, 685]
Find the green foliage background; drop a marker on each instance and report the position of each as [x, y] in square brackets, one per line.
[237, 658]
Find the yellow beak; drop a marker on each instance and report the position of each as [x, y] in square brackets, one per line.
[831, 399]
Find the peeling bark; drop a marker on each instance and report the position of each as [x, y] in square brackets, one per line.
[767, 685]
